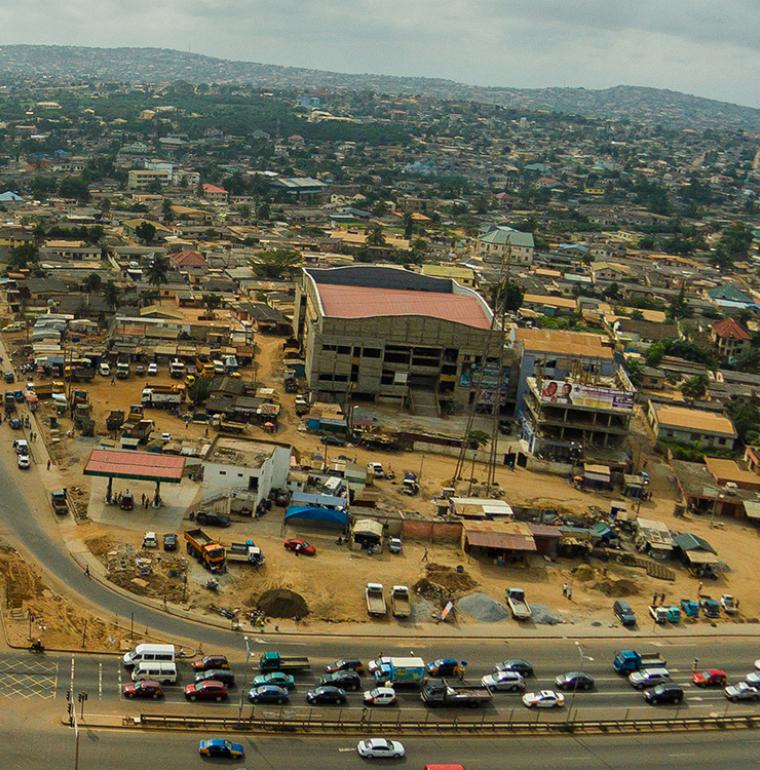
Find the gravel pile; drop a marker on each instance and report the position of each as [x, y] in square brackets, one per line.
[544, 616]
[482, 607]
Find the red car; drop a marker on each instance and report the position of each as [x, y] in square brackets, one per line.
[145, 688]
[210, 662]
[209, 690]
[300, 546]
[714, 677]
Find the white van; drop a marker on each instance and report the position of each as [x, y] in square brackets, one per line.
[164, 671]
[148, 653]
[104, 369]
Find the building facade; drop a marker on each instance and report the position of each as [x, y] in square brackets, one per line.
[691, 426]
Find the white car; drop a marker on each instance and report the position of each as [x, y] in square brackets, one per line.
[152, 370]
[377, 470]
[753, 679]
[104, 369]
[375, 664]
[504, 681]
[21, 446]
[380, 696]
[166, 437]
[23, 462]
[544, 699]
[150, 540]
[380, 748]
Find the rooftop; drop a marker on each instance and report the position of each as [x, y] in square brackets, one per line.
[728, 328]
[240, 451]
[126, 464]
[694, 419]
[563, 342]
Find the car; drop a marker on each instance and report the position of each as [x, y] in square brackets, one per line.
[443, 667]
[648, 677]
[150, 540]
[515, 664]
[668, 692]
[140, 369]
[575, 680]
[144, 688]
[713, 677]
[152, 370]
[210, 661]
[277, 678]
[9, 376]
[624, 613]
[504, 681]
[21, 445]
[165, 437]
[16, 423]
[104, 369]
[23, 462]
[377, 470]
[326, 694]
[380, 748]
[212, 519]
[380, 696]
[346, 680]
[268, 693]
[345, 664]
[741, 691]
[753, 679]
[170, 542]
[543, 699]
[223, 675]
[300, 546]
[395, 545]
[218, 747]
[331, 440]
[210, 690]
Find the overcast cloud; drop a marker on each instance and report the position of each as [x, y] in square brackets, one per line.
[706, 47]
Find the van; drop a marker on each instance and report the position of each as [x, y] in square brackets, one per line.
[624, 612]
[148, 652]
[104, 369]
[649, 677]
[218, 366]
[164, 671]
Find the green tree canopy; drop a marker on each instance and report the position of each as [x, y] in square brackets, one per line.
[276, 264]
[146, 232]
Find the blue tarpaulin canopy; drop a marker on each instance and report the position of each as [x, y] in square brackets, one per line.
[314, 513]
[327, 501]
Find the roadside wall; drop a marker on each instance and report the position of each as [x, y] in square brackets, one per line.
[432, 530]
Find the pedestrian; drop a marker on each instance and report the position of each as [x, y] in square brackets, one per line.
[87, 570]
[113, 379]
[694, 665]
[142, 499]
[425, 555]
[654, 599]
[699, 588]
[48, 464]
[570, 593]
[145, 503]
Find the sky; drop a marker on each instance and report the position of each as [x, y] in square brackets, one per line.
[706, 47]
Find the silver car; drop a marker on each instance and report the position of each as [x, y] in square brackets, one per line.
[504, 681]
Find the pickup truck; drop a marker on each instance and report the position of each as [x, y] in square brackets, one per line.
[729, 605]
[665, 614]
[375, 600]
[272, 661]
[245, 553]
[401, 606]
[516, 600]
[710, 608]
[208, 551]
[122, 370]
[690, 608]
[445, 694]
[58, 501]
[627, 661]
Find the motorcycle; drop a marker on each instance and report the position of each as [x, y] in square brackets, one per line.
[37, 647]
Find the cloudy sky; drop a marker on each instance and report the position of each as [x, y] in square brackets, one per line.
[706, 47]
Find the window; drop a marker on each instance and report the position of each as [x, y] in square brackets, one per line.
[329, 348]
[371, 352]
[721, 441]
[222, 473]
[343, 350]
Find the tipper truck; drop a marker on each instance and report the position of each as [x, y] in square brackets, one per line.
[163, 396]
[445, 694]
[401, 606]
[398, 670]
[272, 661]
[627, 661]
[375, 600]
[208, 551]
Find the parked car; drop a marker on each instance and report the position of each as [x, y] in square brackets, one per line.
[223, 675]
[624, 612]
[139, 369]
[504, 681]
[326, 694]
[395, 545]
[668, 692]
[170, 542]
[713, 677]
[220, 748]
[345, 664]
[9, 377]
[16, 423]
[380, 696]
[278, 678]
[23, 462]
[210, 661]
[544, 699]
[515, 664]
[152, 370]
[104, 369]
[212, 519]
[443, 667]
[380, 748]
[300, 546]
[143, 688]
[268, 693]
[21, 445]
[210, 690]
[741, 691]
[346, 680]
[332, 440]
[575, 680]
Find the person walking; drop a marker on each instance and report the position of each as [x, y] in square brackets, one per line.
[48, 464]
[425, 555]
[564, 589]
[87, 570]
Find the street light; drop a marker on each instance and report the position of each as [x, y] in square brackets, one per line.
[583, 654]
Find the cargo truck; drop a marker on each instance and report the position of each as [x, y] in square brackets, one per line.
[245, 553]
[375, 600]
[401, 605]
[398, 670]
[627, 661]
[177, 369]
[162, 396]
[272, 661]
[122, 370]
[208, 551]
[445, 694]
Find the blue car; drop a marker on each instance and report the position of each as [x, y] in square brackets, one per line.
[268, 693]
[443, 667]
[279, 678]
[219, 747]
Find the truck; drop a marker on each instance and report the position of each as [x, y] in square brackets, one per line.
[271, 661]
[139, 429]
[375, 600]
[122, 370]
[162, 396]
[444, 693]
[516, 600]
[245, 553]
[690, 608]
[396, 670]
[115, 420]
[401, 605]
[208, 551]
[177, 369]
[665, 614]
[627, 661]
[710, 607]
[729, 604]
[9, 402]
[302, 405]
[59, 502]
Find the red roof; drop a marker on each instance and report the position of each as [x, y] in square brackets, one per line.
[126, 464]
[730, 329]
[187, 259]
[367, 302]
[212, 188]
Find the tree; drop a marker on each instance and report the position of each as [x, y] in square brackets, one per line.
[612, 291]
[111, 295]
[733, 246]
[276, 263]
[92, 283]
[679, 308]
[157, 272]
[199, 391]
[211, 302]
[408, 226]
[375, 236]
[244, 210]
[146, 232]
[263, 210]
[75, 187]
[635, 369]
[695, 387]
[508, 296]
[746, 419]
[166, 210]
[419, 247]
[23, 255]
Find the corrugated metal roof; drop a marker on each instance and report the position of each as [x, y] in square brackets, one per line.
[126, 464]
[501, 541]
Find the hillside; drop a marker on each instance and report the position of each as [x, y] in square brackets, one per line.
[62, 64]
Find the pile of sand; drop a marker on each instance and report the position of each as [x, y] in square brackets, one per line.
[283, 603]
[584, 573]
[449, 579]
[616, 587]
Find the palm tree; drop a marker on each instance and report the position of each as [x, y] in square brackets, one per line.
[375, 237]
[157, 273]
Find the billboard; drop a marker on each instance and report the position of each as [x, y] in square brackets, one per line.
[588, 396]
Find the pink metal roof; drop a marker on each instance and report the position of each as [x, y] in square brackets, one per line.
[366, 302]
[125, 464]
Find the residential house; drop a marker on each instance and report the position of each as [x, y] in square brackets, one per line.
[730, 338]
[504, 245]
[691, 426]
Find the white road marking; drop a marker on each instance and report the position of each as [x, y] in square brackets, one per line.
[100, 681]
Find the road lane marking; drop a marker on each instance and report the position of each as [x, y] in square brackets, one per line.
[100, 681]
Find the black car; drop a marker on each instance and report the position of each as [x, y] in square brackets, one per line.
[9, 377]
[332, 440]
[345, 664]
[624, 612]
[575, 680]
[212, 519]
[668, 692]
[515, 664]
[268, 693]
[223, 675]
[346, 680]
[170, 542]
[326, 694]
